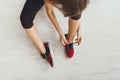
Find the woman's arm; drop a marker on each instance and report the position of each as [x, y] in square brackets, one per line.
[51, 15]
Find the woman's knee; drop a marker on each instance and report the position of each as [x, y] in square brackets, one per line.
[26, 22]
[77, 17]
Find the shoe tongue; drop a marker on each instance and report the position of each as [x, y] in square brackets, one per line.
[44, 56]
[70, 46]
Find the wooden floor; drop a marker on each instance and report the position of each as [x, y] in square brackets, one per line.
[97, 58]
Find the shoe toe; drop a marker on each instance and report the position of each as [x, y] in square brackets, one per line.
[70, 53]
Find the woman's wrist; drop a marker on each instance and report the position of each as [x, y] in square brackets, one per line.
[60, 33]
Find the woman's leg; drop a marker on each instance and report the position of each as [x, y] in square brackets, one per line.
[29, 11]
[74, 25]
[35, 37]
[73, 28]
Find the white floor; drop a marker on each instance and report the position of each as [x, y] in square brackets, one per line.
[97, 58]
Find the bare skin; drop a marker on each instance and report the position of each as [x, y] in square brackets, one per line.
[35, 37]
[74, 27]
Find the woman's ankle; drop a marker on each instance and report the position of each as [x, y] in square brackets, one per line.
[69, 42]
[43, 52]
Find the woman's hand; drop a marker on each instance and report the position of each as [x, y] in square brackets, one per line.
[63, 40]
[78, 40]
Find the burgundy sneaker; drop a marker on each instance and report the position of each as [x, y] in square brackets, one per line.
[69, 49]
[47, 55]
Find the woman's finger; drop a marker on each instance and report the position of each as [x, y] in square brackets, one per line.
[78, 40]
[64, 41]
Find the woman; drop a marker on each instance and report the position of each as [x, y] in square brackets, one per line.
[69, 8]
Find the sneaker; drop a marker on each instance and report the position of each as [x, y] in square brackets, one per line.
[47, 55]
[69, 49]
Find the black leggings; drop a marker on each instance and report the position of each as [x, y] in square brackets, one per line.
[30, 10]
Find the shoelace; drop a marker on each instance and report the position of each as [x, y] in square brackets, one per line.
[76, 43]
